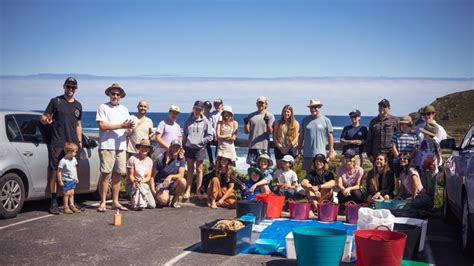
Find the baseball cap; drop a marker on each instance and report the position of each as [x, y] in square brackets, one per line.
[320, 157]
[175, 108]
[355, 112]
[262, 99]
[70, 80]
[175, 142]
[384, 102]
[208, 104]
[288, 158]
[349, 154]
[199, 104]
[218, 100]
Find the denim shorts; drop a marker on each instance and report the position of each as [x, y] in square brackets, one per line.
[68, 185]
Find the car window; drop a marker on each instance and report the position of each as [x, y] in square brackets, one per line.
[13, 133]
[468, 139]
[30, 128]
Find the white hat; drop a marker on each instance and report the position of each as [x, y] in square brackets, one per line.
[175, 108]
[227, 108]
[262, 99]
[314, 102]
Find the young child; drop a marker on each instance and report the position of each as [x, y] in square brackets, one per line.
[287, 180]
[251, 188]
[67, 177]
[404, 141]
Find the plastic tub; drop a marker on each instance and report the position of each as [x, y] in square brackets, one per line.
[413, 233]
[327, 211]
[352, 212]
[299, 210]
[418, 222]
[255, 207]
[379, 247]
[274, 202]
[266, 246]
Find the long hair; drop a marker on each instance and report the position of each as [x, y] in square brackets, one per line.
[228, 172]
[375, 175]
[410, 162]
[290, 123]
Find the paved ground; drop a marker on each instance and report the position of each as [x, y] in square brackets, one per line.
[152, 237]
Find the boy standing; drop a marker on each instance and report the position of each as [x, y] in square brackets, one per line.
[67, 177]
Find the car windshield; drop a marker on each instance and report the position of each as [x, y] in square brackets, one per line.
[468, 139]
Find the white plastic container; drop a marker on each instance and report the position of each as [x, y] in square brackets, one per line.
[418, 222]
[290, 246]
[349, 251]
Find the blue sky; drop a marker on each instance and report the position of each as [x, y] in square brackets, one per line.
[406, 38]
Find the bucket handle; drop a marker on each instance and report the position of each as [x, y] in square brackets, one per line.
[383, 226]
[377, 236]
[325, 202]
[349, 203]
[213, 236]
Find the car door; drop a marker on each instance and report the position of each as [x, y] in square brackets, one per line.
[461, 171]
[31, 146]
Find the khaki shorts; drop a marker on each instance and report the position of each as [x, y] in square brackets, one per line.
[113, 160]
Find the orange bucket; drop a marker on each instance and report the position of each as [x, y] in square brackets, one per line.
[274, 202]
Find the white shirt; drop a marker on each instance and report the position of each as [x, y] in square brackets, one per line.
[112, 139]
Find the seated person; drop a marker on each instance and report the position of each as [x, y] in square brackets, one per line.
[410, 186]
[220, 192]
[319, 183]
[251, 187]
[349, 176]
[139, 168]
[287, 180]
[264, 164]
[168, 176]
[380, 180]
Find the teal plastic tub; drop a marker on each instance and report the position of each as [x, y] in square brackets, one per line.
[266, 246]
[392, 204]
[319, 245]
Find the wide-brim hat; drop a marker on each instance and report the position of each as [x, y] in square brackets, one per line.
[115, 86]
[255, 170]
[265, 156]
[406, 120]
[430, 129]
[143, 142]
[314, 102]
[226, 157]
[429, 109]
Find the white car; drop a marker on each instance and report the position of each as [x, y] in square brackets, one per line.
[24, 162]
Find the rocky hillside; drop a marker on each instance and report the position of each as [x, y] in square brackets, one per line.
[455, 112]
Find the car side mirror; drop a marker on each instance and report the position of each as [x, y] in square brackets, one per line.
[89, 143]
[448, 144]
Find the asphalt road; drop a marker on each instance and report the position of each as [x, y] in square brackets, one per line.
[157, 236]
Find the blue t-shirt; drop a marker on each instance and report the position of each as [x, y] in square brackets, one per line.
[354, 133]
[315, 133]
[165, 169]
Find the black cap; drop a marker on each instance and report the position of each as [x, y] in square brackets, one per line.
[384, 102]
[349, 154]
[199, 104]
[208, 104]
[70, 80]
[218, 100]
[355, 112]
[320, 157]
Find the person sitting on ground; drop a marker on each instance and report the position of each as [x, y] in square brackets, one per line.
[410, 186]
[319, 183]
[168, 176]
[67, 177]
[404, 141]
[264, 163]
[380, 180]
[255, 176]
[220, 192]
[139, 167]
[287, 180]
[349, 176]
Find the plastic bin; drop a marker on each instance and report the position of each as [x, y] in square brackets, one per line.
[415, 221]
[225, 242]
[274, 202]
[413, 233]
[299, 210]
[256, 207]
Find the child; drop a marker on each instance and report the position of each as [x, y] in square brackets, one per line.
[251, 189]
[404, 141]
[140, 168]
[220, 192]
[429, 154]
[67, 177]
[287, 179]
[264, 162]
[319, 183]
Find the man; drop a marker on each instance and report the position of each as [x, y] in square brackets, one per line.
[113, 119]
[381, 130]
[215, 118]
[353, 136]
[64, 114]
[428, 114]
[207, 114]
[259, 126]
[168, 130]
[315, 133]
[143, 128]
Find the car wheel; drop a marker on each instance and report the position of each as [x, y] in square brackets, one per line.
[467, 233]
[12, 195]
[109, 191]
[448, 215]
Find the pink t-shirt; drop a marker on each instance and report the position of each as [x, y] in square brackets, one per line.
[169, 132]
[141, 167]
[407, 182]
[350, 177]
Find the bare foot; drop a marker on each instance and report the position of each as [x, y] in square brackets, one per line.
[213, 206]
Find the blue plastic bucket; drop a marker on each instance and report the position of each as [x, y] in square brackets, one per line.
[319, 245]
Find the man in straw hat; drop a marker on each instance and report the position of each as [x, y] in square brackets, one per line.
[428, 114]
[114, 120]
[315, 133]
[404, 141]
[64, 114]
[143, 128]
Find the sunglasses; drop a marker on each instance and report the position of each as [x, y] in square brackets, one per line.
[425, 114]
[115, 94]
[316, 106]
[404, 159]
[354, 116]
[69, 87]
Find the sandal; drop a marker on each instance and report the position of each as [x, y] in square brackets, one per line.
[176, 205]
[122, 208]
[186, 195]
[102, 209]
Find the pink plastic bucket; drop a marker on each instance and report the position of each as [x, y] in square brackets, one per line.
[299, 210]
[352, 212]
[327, 211]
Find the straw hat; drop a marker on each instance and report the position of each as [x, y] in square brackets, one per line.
[430, 129]
[314, 102]
[143, 142]
[175, 108]
[406, 120]
[265, 156]
[115, 86]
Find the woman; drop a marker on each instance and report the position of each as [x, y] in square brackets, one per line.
[354, 136]
[380, 180]
[226, 134]
[139, 168]
[220, 192]
[286, 134]
[197, 132]
[410, 186]
[349, 176]
[168, 176]
[319, 183]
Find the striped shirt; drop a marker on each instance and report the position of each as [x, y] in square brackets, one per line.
[405, 142]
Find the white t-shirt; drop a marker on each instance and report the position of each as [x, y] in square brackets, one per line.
[112, 139]
[286, 177]
[68, 169]
[169, 132]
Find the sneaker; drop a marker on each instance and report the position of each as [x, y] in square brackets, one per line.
[74, 209]
[54, 209]
[67, 210]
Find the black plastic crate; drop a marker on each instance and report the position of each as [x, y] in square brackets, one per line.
[225, 242]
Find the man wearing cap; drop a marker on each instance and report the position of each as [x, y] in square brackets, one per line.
[114, 120]
[315, 133]
[381, 130]
[168, 130]
[64, 114]
[428, 114]
[404, 141]
[143, 128]
[354, 136]
[259, 126]
[319, 183]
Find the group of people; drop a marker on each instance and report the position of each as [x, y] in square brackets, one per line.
[398, 151]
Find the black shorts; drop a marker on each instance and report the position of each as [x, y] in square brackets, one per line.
[55, 154]
[195, 154]
[279, 155]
